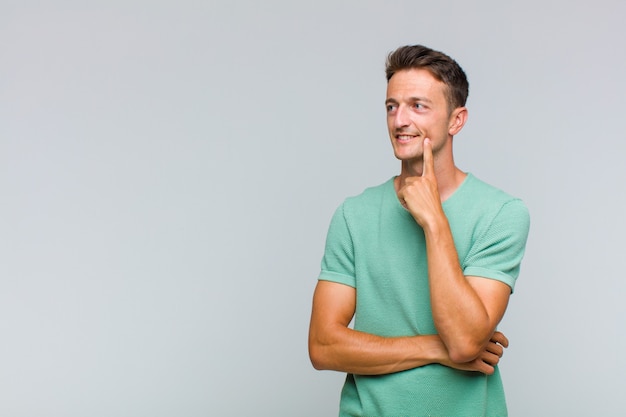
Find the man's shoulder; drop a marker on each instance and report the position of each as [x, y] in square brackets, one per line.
[482, 192]
[483, 199]
[370, 195]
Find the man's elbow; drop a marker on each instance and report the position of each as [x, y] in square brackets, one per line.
[318, 356]
[464, 352]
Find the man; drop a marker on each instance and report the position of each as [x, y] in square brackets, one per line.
[424, 263]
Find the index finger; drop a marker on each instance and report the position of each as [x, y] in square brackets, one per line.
[429, 164]
[500, 338]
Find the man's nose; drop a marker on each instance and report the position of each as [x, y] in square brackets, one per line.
[401, 118]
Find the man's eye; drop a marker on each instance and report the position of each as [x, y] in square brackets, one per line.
[390, 107]
[419, 105]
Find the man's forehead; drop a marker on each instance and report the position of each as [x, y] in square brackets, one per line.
[415, 81]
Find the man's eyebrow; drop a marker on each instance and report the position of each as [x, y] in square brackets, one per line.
[411, 99]
[420, 99]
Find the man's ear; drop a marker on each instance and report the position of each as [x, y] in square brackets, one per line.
[457, 120]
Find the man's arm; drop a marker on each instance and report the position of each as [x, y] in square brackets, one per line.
[466, 310]
[333, 345]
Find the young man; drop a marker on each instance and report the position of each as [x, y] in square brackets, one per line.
[424, 262]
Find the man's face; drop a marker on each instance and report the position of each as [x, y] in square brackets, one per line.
[416, 108]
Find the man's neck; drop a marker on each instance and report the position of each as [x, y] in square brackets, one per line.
[449, 177]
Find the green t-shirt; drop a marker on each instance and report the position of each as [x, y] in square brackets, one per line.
[375, 246]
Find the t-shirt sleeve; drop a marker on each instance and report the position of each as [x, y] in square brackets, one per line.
[498, 251]
[338, 260]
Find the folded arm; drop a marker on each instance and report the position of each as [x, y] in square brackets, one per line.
[334, 346]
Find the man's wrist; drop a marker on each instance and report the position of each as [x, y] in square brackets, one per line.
[436, 224]
[434, 350]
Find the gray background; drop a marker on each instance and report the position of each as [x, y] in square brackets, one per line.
[168, 172]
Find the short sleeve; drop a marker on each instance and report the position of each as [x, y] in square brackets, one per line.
[338, 260]
[498, 251]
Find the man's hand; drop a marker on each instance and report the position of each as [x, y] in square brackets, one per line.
[420, 194]
[487, 359]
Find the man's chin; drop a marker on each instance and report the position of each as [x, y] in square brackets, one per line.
[408, 158]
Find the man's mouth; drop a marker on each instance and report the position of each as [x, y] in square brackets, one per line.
[405, 138]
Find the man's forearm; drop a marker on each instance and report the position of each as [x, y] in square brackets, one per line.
[365, 354]
[347, 350]
[459, 314]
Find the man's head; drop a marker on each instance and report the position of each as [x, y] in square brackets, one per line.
[426, 94]
[440, 65]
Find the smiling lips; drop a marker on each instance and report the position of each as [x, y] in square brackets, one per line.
[405, 138]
